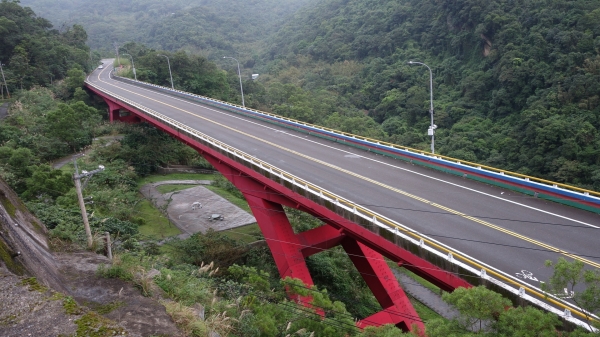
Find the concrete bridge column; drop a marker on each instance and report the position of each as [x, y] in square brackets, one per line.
[118, 113]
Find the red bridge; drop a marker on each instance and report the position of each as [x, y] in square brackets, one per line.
[376, 207]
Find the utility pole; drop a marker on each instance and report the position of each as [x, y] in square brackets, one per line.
[78, 187]
[4, 80]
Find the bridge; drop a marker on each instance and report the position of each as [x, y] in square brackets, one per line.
[453, 223]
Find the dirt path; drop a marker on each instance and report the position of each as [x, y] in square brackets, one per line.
[57, 164]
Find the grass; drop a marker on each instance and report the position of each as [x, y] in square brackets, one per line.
[93, 325]
[248, 233]
[33, 285]
[70, 306]
[157, 225]
[425, 313]
[109, 307]
[173, 188]
[175, 176]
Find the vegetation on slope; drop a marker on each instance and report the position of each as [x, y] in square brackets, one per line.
[212, 28]
[516, 84]
[32, 53]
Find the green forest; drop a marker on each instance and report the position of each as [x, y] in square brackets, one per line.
[516, 86]
[516, 83]
[209, 28]
[33, 53]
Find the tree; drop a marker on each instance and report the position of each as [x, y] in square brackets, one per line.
[567, 280]
[47, 182]
[74, 80]
[527, 322]
[477, 306]
[73, 124]
[20, 63]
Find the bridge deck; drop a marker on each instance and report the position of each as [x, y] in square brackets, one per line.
[504, 229]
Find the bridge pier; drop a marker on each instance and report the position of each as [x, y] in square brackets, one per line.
[397, 308]
[117, 113]
[290, 249]
[283, 243]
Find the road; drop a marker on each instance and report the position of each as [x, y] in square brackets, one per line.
[509, 231]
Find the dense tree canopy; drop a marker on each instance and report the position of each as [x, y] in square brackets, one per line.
[35, 54]
[212, 28]
[516, 83]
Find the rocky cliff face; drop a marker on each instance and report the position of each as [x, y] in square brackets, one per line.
[24, 242]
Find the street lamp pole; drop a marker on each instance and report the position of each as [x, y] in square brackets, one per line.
[170, 73]
[117, 49]
[132, 64]
[4, 80]
[432, 127]
[240, 76]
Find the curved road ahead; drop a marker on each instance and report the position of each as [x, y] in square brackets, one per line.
[504, 229]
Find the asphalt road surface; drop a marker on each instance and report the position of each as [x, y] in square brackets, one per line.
[504, 229]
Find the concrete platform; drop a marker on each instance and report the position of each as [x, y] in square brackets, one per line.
[191, 209]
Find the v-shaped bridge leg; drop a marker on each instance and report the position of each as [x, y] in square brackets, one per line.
[285, 246]
[397, 308]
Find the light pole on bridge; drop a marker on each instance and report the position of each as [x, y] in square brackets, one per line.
[170, 74]
[432, 127]
[132, 64]
[240, 76]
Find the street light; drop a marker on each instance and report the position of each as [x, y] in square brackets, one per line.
[132, 64]
[240, 76]
[170, 74]
[432, 127]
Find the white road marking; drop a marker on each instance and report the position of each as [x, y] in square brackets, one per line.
[527, 275]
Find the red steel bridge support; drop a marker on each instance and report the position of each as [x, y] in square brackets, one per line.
[365, 247]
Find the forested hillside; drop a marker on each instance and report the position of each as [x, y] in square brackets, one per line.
[201, 26]
[516, 83]
[32, 53]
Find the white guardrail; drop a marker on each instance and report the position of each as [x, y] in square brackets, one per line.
[476, 268]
